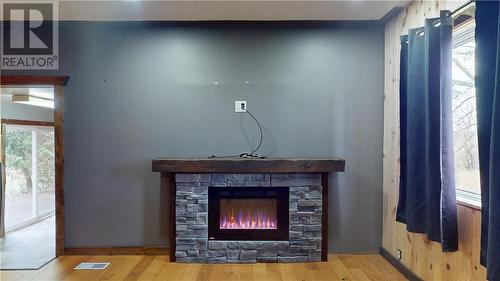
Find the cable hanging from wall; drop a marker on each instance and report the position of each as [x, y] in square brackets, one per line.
[252, 154]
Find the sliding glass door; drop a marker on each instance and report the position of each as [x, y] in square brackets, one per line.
[29, 169]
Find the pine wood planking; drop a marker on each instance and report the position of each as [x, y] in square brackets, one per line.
[339, 267]
[426, 259]
[423, 257]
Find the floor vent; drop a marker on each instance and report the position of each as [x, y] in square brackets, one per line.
[92, 265]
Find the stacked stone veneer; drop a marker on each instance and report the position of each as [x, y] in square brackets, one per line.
[305, 213]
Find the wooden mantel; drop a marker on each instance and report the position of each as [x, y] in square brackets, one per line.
[241, 165]
[168, 167]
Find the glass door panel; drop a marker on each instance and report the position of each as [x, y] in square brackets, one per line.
[29, 167]
[46, 171]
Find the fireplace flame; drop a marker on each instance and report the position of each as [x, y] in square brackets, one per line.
[247, 220]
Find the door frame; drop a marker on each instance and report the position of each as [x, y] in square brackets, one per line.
[58, 82]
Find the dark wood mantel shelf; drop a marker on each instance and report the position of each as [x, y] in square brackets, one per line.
[240, 165]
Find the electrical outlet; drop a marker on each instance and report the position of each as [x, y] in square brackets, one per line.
[398, 254]
[240, 106]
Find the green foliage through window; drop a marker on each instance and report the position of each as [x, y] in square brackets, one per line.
[18, 157]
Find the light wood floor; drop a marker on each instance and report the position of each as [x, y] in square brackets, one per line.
[339, 267]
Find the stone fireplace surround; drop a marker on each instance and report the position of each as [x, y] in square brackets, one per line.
[191, 220]
[188, 180]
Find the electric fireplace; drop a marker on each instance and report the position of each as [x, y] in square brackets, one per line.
[239, 211]
[248, 213]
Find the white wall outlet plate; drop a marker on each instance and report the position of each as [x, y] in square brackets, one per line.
[398, 254]
[240, 106]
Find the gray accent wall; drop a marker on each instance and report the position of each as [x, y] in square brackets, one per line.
[143, 90]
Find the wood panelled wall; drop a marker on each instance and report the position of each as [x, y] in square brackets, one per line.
[421, 256]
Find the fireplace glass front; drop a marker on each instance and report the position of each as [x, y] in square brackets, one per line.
[248, 213]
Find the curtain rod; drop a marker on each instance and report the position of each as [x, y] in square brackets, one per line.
[460, 9]
[454, 13]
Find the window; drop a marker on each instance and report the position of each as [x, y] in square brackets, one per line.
[464, 114]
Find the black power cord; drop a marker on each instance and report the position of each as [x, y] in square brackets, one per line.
[253, 153]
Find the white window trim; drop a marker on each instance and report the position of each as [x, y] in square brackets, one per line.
[463, 34]
[468, 199]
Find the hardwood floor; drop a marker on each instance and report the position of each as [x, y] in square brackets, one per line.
[338, 267]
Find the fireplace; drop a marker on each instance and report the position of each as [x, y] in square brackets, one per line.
[248, 213]
[248, 218]
[247, 210]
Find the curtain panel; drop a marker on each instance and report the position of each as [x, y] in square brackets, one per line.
[427, 202]
[2, 181]
[2, 202]
[488, 116]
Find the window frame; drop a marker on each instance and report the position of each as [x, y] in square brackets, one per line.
[462, 33]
